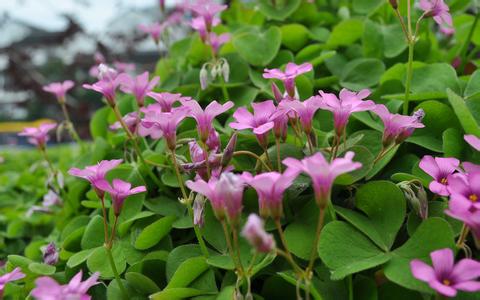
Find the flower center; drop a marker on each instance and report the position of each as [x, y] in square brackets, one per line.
[444, 181]
[473, 198]
[446, 282]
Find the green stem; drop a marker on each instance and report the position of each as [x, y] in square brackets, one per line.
[105, 225]
[115, 272]
[71, 128]
[285, 246]
[179, 176]
[198, 233]
[463, 236]
[238, 265]
[464, 49]
[279, 159]
[244, 152]
[411, 46]
[135, 146]
[313, 253]
[224, 89]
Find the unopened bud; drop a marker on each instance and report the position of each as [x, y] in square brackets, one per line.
[394, 4]
[226, 71]
[203, 78]
[256, 235]
[50, 254]
[198, 211]
[229, 150]
[416, 197]
[276, 93]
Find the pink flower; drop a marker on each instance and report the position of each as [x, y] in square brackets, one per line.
[200, 26]
[207, 9]
[130, 119]
[465, 212]
[38, 136]
[445, 276]
[342, 107]
[51, 198]
[107, 84]
[473, 141]
[138, 86]
[305, 110]
[59, 89]
[205, 117]
[254, 232]
[225, 194]
[166, 100]
[322, 173]
[96, 174]
[288, 77]
[440, 13]
[198, 211]
[47, 288]
[398, 128]
[50, 254]
[16, 274]
[119, 191]
[439, 168]
[270, 187]
[154, 30]
[216, 41]
[259, 121]
[163, 124]
[466, 188]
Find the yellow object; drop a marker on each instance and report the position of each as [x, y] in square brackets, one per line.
[12, 127]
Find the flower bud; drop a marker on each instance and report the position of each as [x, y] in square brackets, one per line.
[276, 93]
[256, 235]
[394, 4]
[416, 197]
[198, 211]
[50, 254]
[229, 149]
[203, 78]
[225, 71]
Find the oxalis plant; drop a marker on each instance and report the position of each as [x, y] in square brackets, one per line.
[265, 158]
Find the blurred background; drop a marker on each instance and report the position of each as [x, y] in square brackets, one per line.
[43, 41]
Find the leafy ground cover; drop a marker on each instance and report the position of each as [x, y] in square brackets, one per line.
[282, 150]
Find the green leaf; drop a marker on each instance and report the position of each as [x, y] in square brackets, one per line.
[258, 47]
[187, 272]
[346, 33]
[463, 114]
[280, 11]
[141, 283]
[362, 155]
[177, 293]
[41, 269]
[98, 261]
[99, 123]
[432, 234]
[79, 258]
[153, 233]
[346, 250]
[314, 54]
[473, 85]
[179, 255]
[436, 77]
[365, 6]
[221, 261]
[294, 36]
[94, 234]
[453, 144]
[353, 74]
[438, 117]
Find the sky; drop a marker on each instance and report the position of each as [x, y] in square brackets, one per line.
[94, 15]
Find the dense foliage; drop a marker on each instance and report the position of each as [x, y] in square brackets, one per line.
[337, 162]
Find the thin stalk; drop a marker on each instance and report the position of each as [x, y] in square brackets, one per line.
[229, 246]
[252, 263]
[313, 253]
[402, 22]
[464, 49]
[382, 154]
[310, 145]
[279, 159]
[179, 176]
[49, 162]
[267, 157]
[115, 272]
[114, 229]
[290, 260]
[197, 231]
[104, 212]
[72, 130]
[135, 146]
[463, 236]
[236, 245]
[284, 242]
[245, 152]
[224, 89]
[411, 46]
